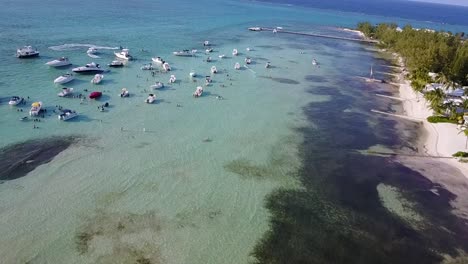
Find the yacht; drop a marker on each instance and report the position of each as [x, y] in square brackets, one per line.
[123, 54]
[213, 69]
[267, 65]
[67, 114]
[27, 52]
[192, 74]
[116, 64]
[124, 93]
[208, 80]
[209, 50]
[208, 59]
[151, 98]
[92, 50]
[206, 43]
[35, 108]
[275, 31]
[88, 68]
[255, 29]
[67, 77]
[148, 67]
[314, 62]
[198, 92]
[234, 52]
[62, 61]
[65, 92]
[166, 66]
[157, 60]
[248, 60]
[157, 85]
[237, 66]
[222, 56]
[184, 53]
[97, 78]
[172, 79]
[15, 100]
[95, 95]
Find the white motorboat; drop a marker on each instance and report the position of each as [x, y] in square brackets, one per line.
[88, 68]
[65, 92]
[235, 52]
[62, 61]
[172, 79]
[208, 59]
[206, 43]
[237, 66]
[124, 93]
[151, 98]
[92, 50]
[67, 77]
[209, 50]
[27, 52]
[208, 80]
[275, 31]
[67, 114]
[248, 49]
[15, 100]
[35, 108]
[255, 28]
[97, 78]
[222, 56]
[248, 60]
[213, 69]
[192, 74]
[116, 64]
[198, 92]
[123, 54]
[166, 66]
[147, 67]
[157, 60]
[157, 85]
[183, 53]
[314, 62]
[267, 65]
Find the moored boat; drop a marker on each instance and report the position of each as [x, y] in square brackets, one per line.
[213, 69]
[235, 52]
[116, 64]
[150, 99]
[183, 53]
[166, 66]
[198, 92]
[192, 74]
[36, 108]
[222, 56]
[95, 95]
[92, 50]
[248, 60]
[267, 65]
[67, 114]
[209, 50]
[124, 93]
[206, 43]
[124, 54]
[255, 28]
[237, 66]
[62, 61]
[208, 80]
[65, 91]
[172, 79]
[27, 52]
[88, 68]
[157, 85]
[15, 100]
[157, 60]
[68, 77]
[97, 78]
[147, 67]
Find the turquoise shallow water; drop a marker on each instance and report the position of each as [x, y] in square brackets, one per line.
[172, 184]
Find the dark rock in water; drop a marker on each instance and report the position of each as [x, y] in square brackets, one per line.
[19, 159]
[281, 80]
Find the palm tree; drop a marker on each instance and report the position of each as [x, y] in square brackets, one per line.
[435, 99]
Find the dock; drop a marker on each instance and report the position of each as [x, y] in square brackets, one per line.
[369, 41]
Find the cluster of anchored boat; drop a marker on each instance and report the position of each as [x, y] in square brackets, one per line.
[123, 54]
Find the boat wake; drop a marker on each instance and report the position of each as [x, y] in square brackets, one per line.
[93, 56]
[78, 46]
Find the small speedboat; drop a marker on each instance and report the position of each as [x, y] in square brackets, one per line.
[124, 93]
[237, 66]
[314, 62]
[157, 85]
[206, 43]
[65, 92]
[248, 49]
[15, 100]
[157, 60]
[88, 68]
[255, 29]
[213, 69]
[208, 59]
[97, 78]
[68, 77]
[62, 61]
[116, 64]
[208, 80]
[222, 56]
[234, 52]
[198, 92]
[147, 67]
[192, 74]
[35, 108]
[275, 31]
[209, 50]
[95, 95]
[166, 66]
[172, 79]
[150, 99]
[183, 53]
[92, 50]
[26, 52]
[267, 65]
[67, 114]
[248, 60]
[123, 54]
